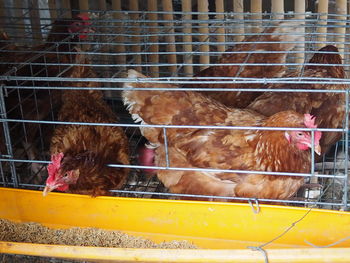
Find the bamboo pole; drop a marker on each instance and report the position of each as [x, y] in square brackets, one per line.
[35, 21]
[256, 9]
[321, 25]
[20, 18]
[134, 6]
[168, 7]
[116, 6]
[277, 6]
[83, 5]
[154, 57]
[187, 38]
[2, 15]
[238, 8]
[53, 9]
[203, 7]
[299, 7]
[341, 7]
[103, 30]
[221, 29]
[67, 7]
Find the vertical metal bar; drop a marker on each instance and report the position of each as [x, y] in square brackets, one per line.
[170, 38]
[341, 7]
[154, 57]
[299, 7]
[134, 6]
[35, 21]
[166, 148]
[277, 7]
[321, 25]
[256, 10]
[116, 6]
[346, 165]
[7, 137]
[239, 9]
[203, 7]
[3, 174]
[187, 37]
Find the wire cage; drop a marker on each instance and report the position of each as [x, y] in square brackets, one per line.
[169, 41]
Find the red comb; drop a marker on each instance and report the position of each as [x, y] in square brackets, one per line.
[309, 122]
[84, 16]
[54, 166]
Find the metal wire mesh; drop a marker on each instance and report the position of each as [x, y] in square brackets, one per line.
[23, 160]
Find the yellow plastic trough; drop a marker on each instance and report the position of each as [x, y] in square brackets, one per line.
[223, 230]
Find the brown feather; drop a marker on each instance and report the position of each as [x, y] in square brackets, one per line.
[285, 34]
[329, 108]
[218, 148]
[90, 148]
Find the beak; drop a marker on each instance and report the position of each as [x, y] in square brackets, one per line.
[47, 190]
[318, 149]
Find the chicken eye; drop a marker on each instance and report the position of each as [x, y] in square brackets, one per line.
[300, 134]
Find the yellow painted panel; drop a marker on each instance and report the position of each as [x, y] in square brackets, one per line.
[207, 224]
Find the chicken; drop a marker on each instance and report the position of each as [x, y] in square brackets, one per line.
[80, 153]
[248, 149]
[286, 34]
[329, 108]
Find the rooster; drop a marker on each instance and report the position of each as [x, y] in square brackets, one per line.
[329, 108]
[252, 149]
[281, 38]
[80, 153]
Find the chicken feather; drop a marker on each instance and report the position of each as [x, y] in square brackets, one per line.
[254, 150]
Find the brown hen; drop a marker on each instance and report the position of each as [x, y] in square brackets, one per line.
[280, 39]
[80, 153]
[253, 150]
[329, 108]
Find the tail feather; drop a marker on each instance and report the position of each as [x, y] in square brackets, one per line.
[287, 33]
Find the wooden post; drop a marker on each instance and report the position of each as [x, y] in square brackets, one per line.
[256, 7]
[2, 15]
[119, 30]
[83, 5]
[154, 57]
[35, 21]
[238, 8]
[53, 9]
[277, 6]
[67, 7]
[220, 27]
[170, 39]
[20, 18]
[299, 7]
[134, 6]
[321, 25]
[103, 30]
[203, 7]
[341, 7]
[187, 37]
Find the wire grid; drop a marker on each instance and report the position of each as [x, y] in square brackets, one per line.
[23, 162]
